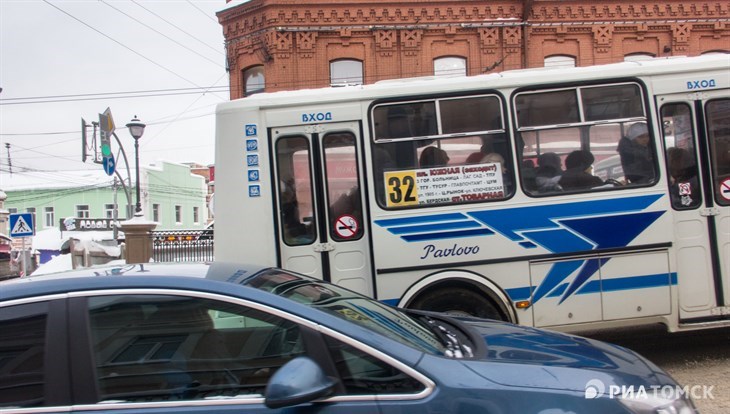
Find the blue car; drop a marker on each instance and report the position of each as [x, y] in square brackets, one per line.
[198, 338]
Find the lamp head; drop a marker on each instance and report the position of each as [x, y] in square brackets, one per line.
[136, 128]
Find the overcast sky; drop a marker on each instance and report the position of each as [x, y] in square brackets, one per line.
[172, 51]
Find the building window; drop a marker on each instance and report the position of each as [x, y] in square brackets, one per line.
[49, 216]
[13, 210]
[109, 211]
[346, 72]
[449, 66]
[560, 61]
[178, 214]
[30, 210]
[196, 215]
[82, 211]
[253, 80]
[156, 212]
[637, 57]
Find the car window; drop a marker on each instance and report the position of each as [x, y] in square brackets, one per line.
[162, 348]
[22, 348]
[362, 373]
[355, 308]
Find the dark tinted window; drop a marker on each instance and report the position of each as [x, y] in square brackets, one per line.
[161, 348]
[362, 373]
[22, 350]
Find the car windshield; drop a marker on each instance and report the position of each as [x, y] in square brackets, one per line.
[352, 307]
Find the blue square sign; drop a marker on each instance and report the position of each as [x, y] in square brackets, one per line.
[252, 145]
[253, 175]
[22, 225]
[252, 160]
[251, 130]
[254, 191]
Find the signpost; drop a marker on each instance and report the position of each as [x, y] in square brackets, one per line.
[106, 126]
[22, 225]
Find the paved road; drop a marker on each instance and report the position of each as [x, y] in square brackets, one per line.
[693, 358]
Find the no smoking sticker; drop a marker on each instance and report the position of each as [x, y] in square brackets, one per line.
[346, 226]
[725, 189]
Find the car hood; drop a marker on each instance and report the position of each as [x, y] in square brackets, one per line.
[523, 356]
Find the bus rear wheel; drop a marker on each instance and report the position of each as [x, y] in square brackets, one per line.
[458, 301]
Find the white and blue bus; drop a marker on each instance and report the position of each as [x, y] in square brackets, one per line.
[568, 198]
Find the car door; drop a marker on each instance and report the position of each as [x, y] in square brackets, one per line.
[697, 145]
[161, 351]
[319, 185]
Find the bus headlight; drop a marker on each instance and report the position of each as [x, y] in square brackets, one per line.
[657, 404]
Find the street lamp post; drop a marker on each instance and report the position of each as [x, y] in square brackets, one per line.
[136, 129]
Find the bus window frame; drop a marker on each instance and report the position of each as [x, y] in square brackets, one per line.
[654, 143]
[375, 141]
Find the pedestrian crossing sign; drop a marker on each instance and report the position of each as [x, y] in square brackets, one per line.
[22, 225]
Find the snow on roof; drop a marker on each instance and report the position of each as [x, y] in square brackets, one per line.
[53, 238]
[25, 180]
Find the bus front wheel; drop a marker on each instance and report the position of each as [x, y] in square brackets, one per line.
[458, 302]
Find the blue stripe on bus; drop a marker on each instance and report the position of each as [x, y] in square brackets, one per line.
[420, 219]
[447, 235]
[423, 228]
[626, 283]
[606, 285]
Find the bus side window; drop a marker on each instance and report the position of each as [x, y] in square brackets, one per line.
[295, 190]
[679, 139]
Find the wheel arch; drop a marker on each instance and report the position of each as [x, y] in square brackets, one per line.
[460, 278]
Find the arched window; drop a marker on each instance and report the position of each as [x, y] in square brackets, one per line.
[253, 80]
[560, 61]
[449, 66]
[636, 57]
[345, 72]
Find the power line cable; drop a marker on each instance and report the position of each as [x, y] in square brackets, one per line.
[164, 35]
[121, 44]
[45, 101]
[203, 12]
[106, 94]
[178, 28]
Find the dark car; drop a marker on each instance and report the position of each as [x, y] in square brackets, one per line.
[197, 338]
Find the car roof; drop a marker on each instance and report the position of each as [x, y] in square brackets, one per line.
[185, 275]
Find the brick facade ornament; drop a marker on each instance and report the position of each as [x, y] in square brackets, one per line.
[489, 39]
[401, 38]
[680, 36]
[385, 42]
[602, 36]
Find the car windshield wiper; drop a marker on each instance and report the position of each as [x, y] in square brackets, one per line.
[455, 348]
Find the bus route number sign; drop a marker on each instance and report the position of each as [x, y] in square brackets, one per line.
[400, 188]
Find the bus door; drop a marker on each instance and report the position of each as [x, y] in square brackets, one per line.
[697, 152]
[319, 192]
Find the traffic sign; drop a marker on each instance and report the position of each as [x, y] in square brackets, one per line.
[22, 225]
[109, 164]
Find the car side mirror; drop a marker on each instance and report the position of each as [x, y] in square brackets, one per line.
[299, 381]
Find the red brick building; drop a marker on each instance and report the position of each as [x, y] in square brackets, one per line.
[277, 45]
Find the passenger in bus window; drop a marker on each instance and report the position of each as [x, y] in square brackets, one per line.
[579, 172]
[549, 172]
[295, 232]
[684, 186]
[433, 157]
[636, 156]
[496, 158]
[398, 124]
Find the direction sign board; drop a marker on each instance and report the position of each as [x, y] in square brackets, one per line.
[22, 225]
[107, 127]
[109, 164]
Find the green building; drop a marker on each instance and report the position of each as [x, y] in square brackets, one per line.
[170, 195]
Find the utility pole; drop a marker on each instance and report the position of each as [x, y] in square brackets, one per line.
[115, 214]
[10, 163]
